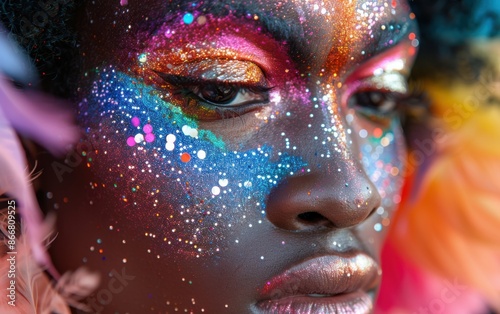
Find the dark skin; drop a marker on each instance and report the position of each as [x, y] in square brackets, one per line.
[326, 207]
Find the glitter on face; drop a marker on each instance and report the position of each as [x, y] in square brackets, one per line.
[201, 20]
[143, 58]
[188, 18]
[131, 141]
[195, 177]
[201, 154]
[171, 138]
[170, 146]
[136, 121]
[150, 137]
[139, 138]
[215, 190]
[180, 134]
[223, 182]
[185, 157]
[187, 130]
[147, 128]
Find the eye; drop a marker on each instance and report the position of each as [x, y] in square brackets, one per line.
[378, 98]
[210, 89]
[375, 102]
[212, 100]
[230, 95]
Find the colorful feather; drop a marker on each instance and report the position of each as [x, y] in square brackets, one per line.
[451, 228]
[37, 116]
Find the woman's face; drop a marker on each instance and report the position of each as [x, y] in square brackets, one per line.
[240, 156]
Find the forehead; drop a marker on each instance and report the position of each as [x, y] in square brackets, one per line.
[310, 28]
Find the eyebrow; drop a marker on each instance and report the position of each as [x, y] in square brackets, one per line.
[395, 32]
[293, 33]
[280, 29]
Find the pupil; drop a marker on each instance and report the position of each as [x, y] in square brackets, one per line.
[219, 93]
[370, 99]
[374, 100]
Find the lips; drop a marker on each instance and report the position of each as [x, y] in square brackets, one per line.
[326, 284]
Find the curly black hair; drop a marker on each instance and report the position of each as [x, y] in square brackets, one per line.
[446, 28]
[45, 29]
[453, 21]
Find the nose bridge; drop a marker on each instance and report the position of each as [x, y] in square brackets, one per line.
[326, 139]
[333, 154]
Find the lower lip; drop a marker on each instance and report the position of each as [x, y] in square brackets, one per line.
[358, 302]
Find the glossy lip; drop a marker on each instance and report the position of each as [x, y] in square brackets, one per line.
[325, 284]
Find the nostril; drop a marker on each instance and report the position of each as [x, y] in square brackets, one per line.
[318, 201]
[312, 218]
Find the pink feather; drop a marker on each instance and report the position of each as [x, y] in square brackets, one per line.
[35, 115]
[409, 289]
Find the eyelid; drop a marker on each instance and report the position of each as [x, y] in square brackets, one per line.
[393, 83]
[384, 72]
[217, 70]
[396, 59]
[188, 88]
[390, 82]
[183, 81]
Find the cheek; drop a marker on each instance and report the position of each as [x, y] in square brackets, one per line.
[173, 181]
[382, 152]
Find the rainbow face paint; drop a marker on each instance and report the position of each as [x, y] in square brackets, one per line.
[236, 144]
[197, 178]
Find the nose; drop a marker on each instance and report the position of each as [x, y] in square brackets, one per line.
[329, 199]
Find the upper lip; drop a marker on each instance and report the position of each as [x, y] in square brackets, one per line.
[327, 275]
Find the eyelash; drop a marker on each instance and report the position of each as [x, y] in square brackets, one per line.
[368, 103]
[413, 103]
[379, 98]
[189, 89]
